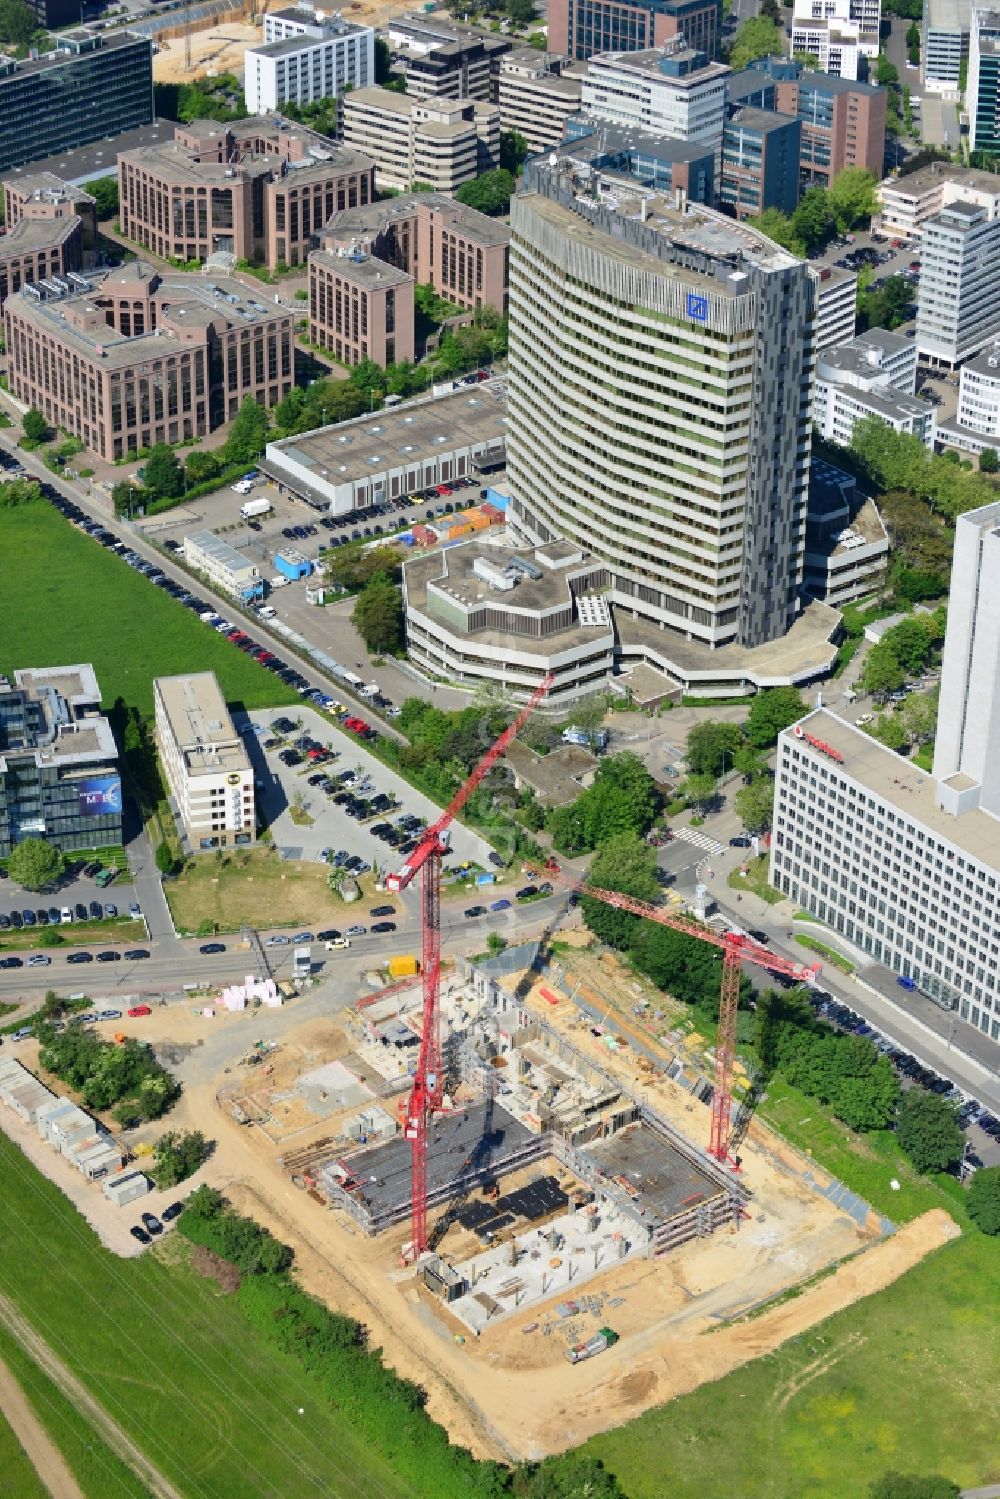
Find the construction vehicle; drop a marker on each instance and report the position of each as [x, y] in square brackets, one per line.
[606, 1338]
[428, 1082]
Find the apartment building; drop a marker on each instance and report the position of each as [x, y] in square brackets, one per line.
[443, 60]
[92, 85]
[207, 768]
[360, 308]
[835, 43]
[36, 249]
[321, 60]
[441, 143]
[257, 189]
[579, 28]
[539, 92]
[59, 771]
[958, 311]
[908, 202]
[224, 566]
[691, 488]
[836, 305]
[945, 27]
[982, 92]
[671, 90]
[872, 376]
[435, 241]
[904, 864]
[759, 162]
[129, 357]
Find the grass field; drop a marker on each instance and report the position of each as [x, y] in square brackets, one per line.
[19, 1478]
[755, 880]
[174, 1362]
[255, 886]
[905, 1380]
[66, 599]
[94, 1466]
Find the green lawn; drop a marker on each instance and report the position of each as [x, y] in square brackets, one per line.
[94, 1466]
[906, 1379]
[174, 1362]
[66, 599]
[19, 1478]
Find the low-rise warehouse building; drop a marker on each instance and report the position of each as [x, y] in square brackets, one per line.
[223, 566]
[207, 767]
[478, 613]
[292, 564]
[375, 459]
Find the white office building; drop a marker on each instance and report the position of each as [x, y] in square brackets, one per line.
[908, 202]
[671, 90]
[946, 25]
[825, 31]
[318, 58]
[836, 305]
[905, 865]
[539, 91]
[958, 309]
[979, 395]
[873, 375]
[208, 771]
[442, 143]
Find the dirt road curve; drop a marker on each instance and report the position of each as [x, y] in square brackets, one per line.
[44, 1456]
[55, 1475]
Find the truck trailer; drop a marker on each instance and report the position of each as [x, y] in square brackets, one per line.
[606, 1338]
[302, 963]
[260, 506]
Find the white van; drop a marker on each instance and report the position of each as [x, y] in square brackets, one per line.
[278, 581]
[267, 612]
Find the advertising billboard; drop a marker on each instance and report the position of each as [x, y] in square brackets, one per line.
[101, 796]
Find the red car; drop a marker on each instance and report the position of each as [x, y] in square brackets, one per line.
[442, 489]
[138, 1010]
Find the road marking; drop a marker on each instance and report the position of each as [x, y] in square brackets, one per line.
[700, 840]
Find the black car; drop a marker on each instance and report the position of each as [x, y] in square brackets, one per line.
[382, 911]
[739, 842]
[80, 957]
[15, 920]
[473, 911]
[526, 891]
[110, 956]
[140, 1234]
[173, 1211]
[96, 910]
[11, 962]
[28, 916]
[80, 911]
[151, 1223]
[330, 935]
[760, 937]
[211, 947]
[383, 926]
[135, 955]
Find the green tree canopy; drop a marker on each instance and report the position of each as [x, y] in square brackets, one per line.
[711, 747]
[567, 1476]
[755, 805]
[625, 864]
[33, 863]
[164, 858]
[913, 1486]
[983, 1199]
[163, 475]
[772, 710]
[778, 226]
[756, 37]
[513, 146]
[378, 615]
[35, 427]
[490, 193]
[852, 198]
[813, 221]
[909, 643]
[15, 492]
[178, 1156]
[928, 1131]
[699, 788]
[104, 191]
[520, 12]
[18, 23]
[882, 672]
[248, 434]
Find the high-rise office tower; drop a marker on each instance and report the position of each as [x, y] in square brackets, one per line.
[660, 368]
[983, 88]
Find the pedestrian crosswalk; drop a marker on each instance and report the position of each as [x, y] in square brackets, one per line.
[700, 840]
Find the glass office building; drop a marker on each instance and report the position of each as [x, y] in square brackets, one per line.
[91, 87]
[59, 775]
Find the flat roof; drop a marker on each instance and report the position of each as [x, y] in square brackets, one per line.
[99, 159]
[106, 41]
[615, 140]
[377, 217]
[200, 723]
[763, 120]
[308, 39]
[45, 187]
[926, 179]
[948, 15]
[646, 61]
[37, 234]
[221, 552]
[804, 652]
[899, 783]
[367, 270]
[368, 445]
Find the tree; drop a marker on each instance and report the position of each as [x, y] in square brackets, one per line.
[881, 673]
[248, 433]
[699, 789]
[489, 193]
[202, 465]
[164, 858]
[886, 306]
[18, 23]
[755, 805]
[918, 716]
[885, 72]
[520, 12]
[813, 220]
[771, 11]
[772, 710]
[749, 762]
[35, 427]
[495, 942]
[983, 1199]
[625, 864]
[18, 492]
[913, 1486]
[756, 37]
[104, 191]
[852, 198]
[34, 864]
[909, 643]
[889, 730]
[989, 461]
[163, 475]
[178, 1156]
[567, 1476]
[928, 1131]
[378, 615]
[513, 146]
[778, 226]
[711, 747]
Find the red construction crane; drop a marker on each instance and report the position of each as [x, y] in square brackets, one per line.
[736, 949]
[425, 1096]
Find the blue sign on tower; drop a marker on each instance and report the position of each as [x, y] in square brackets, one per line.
[697, 307]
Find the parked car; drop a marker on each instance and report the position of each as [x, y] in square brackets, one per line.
[355, 931]
[382, 911]
[138, 1011]
[140, 1233]
[151, 1223]
[80, 957]
[212, 947]
[280, 940]
[473, 911]
[135, 954]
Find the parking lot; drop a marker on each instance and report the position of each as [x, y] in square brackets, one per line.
[332, 827]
